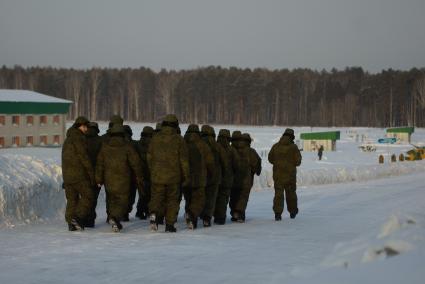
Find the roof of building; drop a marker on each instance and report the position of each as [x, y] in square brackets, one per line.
[28, 97]
[409, 129]
[29, 102]
[329, 135]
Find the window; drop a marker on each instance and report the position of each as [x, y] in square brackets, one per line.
[56, 119]
[30, 120]
[43, 140]
[56, 139]
[30, 140]
[2, 120]
[43, 120]
[15, 120]
[16, 141]
[1, 142]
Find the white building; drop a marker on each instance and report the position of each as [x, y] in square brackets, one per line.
[29, 118]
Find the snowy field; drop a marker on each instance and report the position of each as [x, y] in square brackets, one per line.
[359, 222]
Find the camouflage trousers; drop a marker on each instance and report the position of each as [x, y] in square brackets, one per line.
[242, 200]
[165, 201]
[132, 196]
[92, 215]
[144, 198]
[291, 197]
[211, 192]
[222, 201]
[79, 201]
[194, 200]
[117, 201]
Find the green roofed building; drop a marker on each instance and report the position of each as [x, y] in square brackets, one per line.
[28, 118]
[313, 140]
[402, 134]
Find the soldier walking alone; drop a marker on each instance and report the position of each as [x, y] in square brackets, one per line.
[285, 158]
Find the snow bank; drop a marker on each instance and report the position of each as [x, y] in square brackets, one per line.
[30, 189]
[343, 174]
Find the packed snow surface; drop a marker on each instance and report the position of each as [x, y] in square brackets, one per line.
[359, 222]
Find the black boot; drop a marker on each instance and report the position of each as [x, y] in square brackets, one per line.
[293, 214]
[71, 227]
[126, 218]
[278, 217]
[207, 221]
[141, 215]
[116, 225]
[89, 224]
[170, 228]
[76, 223]
[220, 221]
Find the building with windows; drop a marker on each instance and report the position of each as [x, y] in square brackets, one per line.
[313, 140]
[402, 134]
[29, 118]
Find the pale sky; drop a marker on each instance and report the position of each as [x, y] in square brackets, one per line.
[185, 34]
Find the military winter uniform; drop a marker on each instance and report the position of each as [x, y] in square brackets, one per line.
[285, 158]
[231, 163]
[201, 162]
[243, 180]
[116, 162]
[145, 194]
[94, 143]
[168, 162]
[254, 165]
[114, 120]
[215, 178]
[78, 176]
[134, 186]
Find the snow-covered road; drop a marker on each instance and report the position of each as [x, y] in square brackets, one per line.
[339, 231]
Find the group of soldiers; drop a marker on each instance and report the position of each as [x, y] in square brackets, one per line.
[211, 173]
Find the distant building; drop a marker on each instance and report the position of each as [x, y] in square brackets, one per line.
[313, 140]
[28, 118]
[402, 134]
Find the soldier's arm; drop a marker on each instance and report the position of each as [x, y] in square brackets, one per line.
[80, 147]
[184, 161]
[135, 163]
[149, 154]
[209, 159]
[235, 160]
[258, 164]
[100, 167]
[225, 166]
[297, 156]
[271, 155]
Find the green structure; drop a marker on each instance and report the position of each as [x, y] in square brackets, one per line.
[29, 118]
[402, 134]
[313, 140]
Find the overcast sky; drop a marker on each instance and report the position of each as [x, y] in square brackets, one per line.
[184, 34]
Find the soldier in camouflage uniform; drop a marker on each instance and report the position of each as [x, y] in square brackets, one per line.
[255, 169]
[231, 159]
[214, 180]
[114, 120]
[168, 162]
[145, 195]
[285, 158]
[78, 175]
[134, 186]
[116, 162]
[94, 143]
[243, 180]
[201, 162]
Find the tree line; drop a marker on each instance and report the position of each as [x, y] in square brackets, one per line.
[299, 97]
